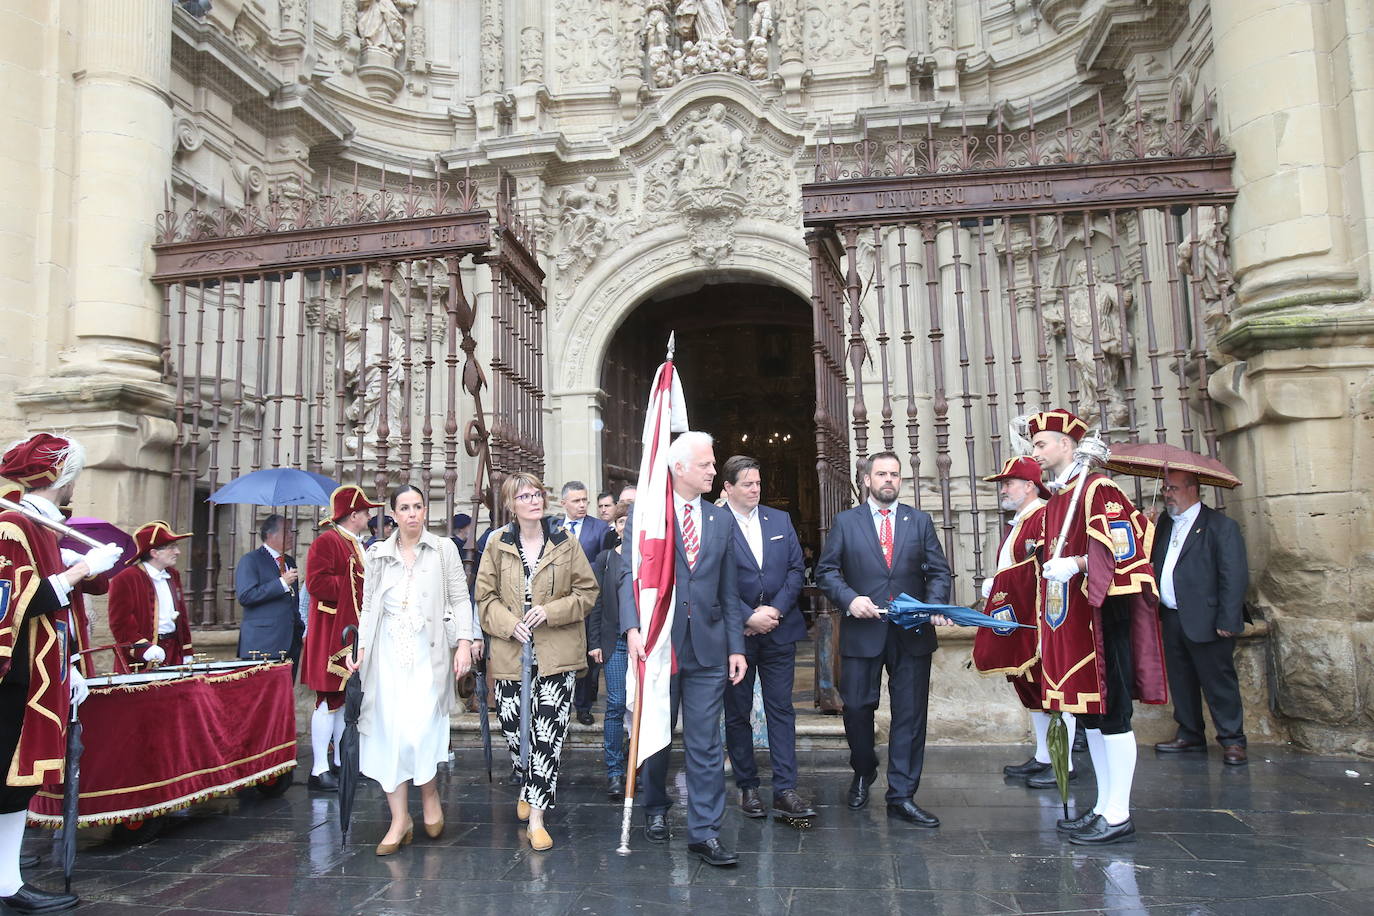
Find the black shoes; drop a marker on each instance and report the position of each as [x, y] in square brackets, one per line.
[1099, 833]
[28, 861]
[912, 813]
[1046, 780]
[656, 828]
[859, 789]
[324, 782]
[29, 899]
[1180, 745]
[750, 803]
[788, 803]
[1075, 824]
[615, 788]
[712, 853]
[1021, 770]
[585, 716]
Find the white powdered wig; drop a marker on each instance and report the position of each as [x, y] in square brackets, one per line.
[679, 454]
[71, 458]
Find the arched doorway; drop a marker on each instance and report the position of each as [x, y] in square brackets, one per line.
[744, 354]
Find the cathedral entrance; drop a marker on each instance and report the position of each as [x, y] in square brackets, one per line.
[744, 356]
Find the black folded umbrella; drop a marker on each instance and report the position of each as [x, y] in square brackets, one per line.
[71, 797]
[479, 694]
[526, 687]
[348, 741]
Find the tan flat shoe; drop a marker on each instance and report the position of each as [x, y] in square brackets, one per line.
[386, 849]
[436, 829]
[540, 839]
[522, 810]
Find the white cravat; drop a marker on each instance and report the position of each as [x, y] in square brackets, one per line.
[753, 532]
[57, 580]
[1177, 535]
[1006, 555]
[166, 608]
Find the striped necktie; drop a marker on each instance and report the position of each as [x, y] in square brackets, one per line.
[689, 535]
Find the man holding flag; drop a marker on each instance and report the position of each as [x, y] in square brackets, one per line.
[679, 583]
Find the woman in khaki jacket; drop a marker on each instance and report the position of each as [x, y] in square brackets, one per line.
[534, 584]
[415, 632]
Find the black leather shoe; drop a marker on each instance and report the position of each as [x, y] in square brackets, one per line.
[912, 813]
[29, 899]
[1021, 770]
[859, 788]
[1179, 745]
[585, 716]
[750, 803]
[1075, 824]
[656, 828]
[1100, 833]
[615, 788]
[1080, 741]
[1046, 780]
[325, 782]
[28, 861]
[712, 853]
[789, 804]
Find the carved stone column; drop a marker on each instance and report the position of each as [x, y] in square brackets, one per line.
[631, 81]
[895, 52]
[791, 67]
[940, 31]
[1298, 398]
[493, 67]
[527, 94]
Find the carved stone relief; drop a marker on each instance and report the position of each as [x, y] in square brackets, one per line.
[1111, 337]
[1205, 261]
[382, 24]
[838, 30]
[531, 54]
[586, 42]
[585, 221]
[941, 23]
[492, 47]
[293, 15]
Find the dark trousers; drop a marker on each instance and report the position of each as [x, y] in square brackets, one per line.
[1118, 663]
[585, 693]
[1197, 670]
[700, 692]
[908, 691]
[776, 666]
[12, 700]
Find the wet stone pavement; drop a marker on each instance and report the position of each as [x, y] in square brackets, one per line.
[1290, 834]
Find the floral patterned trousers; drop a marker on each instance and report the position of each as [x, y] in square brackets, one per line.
[550, 708]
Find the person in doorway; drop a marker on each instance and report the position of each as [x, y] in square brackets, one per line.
[593, 535]
[265, 582]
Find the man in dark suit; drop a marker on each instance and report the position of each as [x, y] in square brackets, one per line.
[873, 553]
[707, 640]
[265, 581]
[1199, 558]
[768, 569]
[594, 536]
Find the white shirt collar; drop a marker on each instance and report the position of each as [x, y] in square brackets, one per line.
[1030, 506]
[1061, 479]
[874, 507]
[154, 573]
[679, 502]
[346, 533]
[43, 505]
[745, 516]
[270, 552]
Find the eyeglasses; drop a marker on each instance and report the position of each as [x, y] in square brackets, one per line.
[1171, 488]
[529, 497]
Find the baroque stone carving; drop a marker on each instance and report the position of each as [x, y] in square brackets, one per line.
[586, 218]
[762, 26]
[941, 23]
[837, 30]
[587, 48]
[531, 54]
[293, 15]
[892, 21]
[363, 369]
[493, 47]
[1204, 260]
[698, 36]
[382, 25]
[1111, 337]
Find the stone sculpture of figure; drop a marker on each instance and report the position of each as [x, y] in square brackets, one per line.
[366, 410]
[1212, 270]
[704, 20]
[586, 222]
[761, 29]
[657, 32]
[382, 25]
[715, 162]
[1111, 337]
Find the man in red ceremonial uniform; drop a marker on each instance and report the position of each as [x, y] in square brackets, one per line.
[1100, 642]
[38, 682]
[147, 611]
[1013, 593]
[334, 580]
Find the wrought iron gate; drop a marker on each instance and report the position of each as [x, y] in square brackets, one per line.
[336, 333]
[1080, 265]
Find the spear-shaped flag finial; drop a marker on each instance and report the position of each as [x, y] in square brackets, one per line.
[672, 343]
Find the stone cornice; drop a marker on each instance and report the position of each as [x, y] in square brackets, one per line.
[1115, 32]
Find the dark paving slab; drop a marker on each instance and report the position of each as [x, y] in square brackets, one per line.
[1288, 834]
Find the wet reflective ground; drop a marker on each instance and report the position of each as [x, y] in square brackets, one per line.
[1290, 834]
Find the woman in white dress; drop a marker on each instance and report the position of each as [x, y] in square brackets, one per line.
[415, 634]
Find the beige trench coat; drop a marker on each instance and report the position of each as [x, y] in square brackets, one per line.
[443, 591]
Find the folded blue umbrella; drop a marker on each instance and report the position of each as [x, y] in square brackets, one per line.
[911, 613]
[277, 487]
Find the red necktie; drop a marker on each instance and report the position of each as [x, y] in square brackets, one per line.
[885, 536]
[281, 565]
[689, 535]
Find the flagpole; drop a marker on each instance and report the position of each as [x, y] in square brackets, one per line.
[627, 812]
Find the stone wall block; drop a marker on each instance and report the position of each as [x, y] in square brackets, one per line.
[1317, 663]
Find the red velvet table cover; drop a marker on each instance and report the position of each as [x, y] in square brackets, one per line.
[153, 748]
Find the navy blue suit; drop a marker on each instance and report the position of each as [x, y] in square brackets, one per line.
[271, 620]
[852, 564]
[777, 583]
[594, 536]
[707, 629]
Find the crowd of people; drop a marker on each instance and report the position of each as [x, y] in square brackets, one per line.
[1116, 608]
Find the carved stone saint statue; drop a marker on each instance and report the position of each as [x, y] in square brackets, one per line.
[586, 221]
[710, 151]
[366, 410]
[382, 25]
[703, 20]
[1111, 337]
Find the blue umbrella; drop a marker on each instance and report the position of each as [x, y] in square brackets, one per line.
[277, 487]
[910, 613]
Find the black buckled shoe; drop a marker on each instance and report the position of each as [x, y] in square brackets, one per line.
[323, 782]
[1047, 780]
[656, 828]
[29, 899]
[1075, 824]
[859, 789]
[789, 804]
[1021, 770]
[712, 853]
[912, 813]
[1099, 833]
[750, 803]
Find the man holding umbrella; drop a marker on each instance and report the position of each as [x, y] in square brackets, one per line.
[1099, 624]
[334, 580]
[38, 682]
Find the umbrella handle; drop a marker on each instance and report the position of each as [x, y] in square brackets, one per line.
[350, 638]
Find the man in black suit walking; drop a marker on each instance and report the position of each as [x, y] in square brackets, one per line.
[873, 553]
[594, 535]
[768, 567]
[265, 581]
[708, 642]
[1199, 559]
